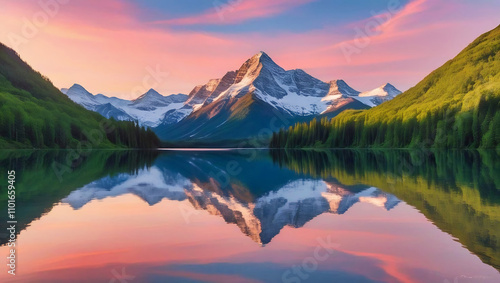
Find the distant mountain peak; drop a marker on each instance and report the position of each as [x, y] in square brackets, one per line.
[77, 86]
[77, 90]
[262, 54]
[150, 92]
[338, 81]
[261, 58]
[340, 87]
[377, 96]
[389, 87]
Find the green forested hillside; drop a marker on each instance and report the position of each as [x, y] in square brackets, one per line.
[456, 106]
[35, 114]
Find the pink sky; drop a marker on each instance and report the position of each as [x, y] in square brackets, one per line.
[109, 48]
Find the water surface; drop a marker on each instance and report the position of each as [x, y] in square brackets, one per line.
[256, 216]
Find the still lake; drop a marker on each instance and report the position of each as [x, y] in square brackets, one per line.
[254, 216]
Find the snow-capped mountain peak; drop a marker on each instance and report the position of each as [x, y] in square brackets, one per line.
[385, 90]
[391, 90]
[80, 95]
[253, 67]
[379, 95]
[153, 99]
[262, 57]
[80, 89]
[341, 89]
[150, 94]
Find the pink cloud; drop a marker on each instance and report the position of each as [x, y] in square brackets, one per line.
[237, 11]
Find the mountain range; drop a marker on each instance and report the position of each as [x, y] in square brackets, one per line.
[238, 105]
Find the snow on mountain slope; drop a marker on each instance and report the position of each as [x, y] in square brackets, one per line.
[340, 87]
[379, 95]
[200, 94]
[173, 116]
[293, 91]
[153, 99]
[385, 90]
[80, 95]
[149, 109]
[109, 111]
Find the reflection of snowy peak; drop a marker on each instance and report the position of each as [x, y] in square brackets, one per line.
[229, 208]
[294, 204]
[151, 185]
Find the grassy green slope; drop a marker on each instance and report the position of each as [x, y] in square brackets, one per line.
[35, 114]
[456, 106]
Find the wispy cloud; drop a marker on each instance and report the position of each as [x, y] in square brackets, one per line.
[236, 11]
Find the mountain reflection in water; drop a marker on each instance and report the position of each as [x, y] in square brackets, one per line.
[262, 192]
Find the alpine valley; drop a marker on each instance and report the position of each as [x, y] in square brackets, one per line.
[259, 96]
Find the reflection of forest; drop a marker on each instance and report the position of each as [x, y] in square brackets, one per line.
[38, 187]
[459, 191]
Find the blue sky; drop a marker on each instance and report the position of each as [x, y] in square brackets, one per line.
[312, 15]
